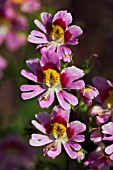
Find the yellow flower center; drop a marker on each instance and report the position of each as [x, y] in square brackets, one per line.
[100, 113]
[58, 130]
[57, 34]
[87, 89]
[17, 1]
[110, 98]
[51, 77]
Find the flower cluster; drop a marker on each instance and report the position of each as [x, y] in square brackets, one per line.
[57, 80]
[103, 129]
[59, 84]
[13, 22]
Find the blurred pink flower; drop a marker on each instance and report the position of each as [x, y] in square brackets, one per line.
[12, 29]
[3, 65]
[30, 6]
[58, 131]
[15, 154]
[27, 6]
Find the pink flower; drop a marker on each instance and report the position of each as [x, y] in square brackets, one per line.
[12, 29]
[102, 115]
[96, 135]
[58, 131]
[98, 160]
[88, 94]
[55, 32]
[3, 65]
[46, 72]
[105, 88]
[27, 6]
[108, 131]
[30, 6]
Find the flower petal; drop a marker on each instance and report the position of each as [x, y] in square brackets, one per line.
[62, 102]
[91, 93]
[77, 126]
[102, 86]
[71, 34]
[33, 64]
[45, 100]
[32, 91]
[76, 85]
[110, 138]
[111, 157]
[58, 111]
[79, 138]
[70, 150]
[64, 15]
[69, 75]
[26, 87]
[51, 58]
[96, 136]
[46, 17]
[37, 40]
[95, 110]
[108, 128]
[109, 149]
[39, 140]
[53, 151]
[43, 118]
[103, 118]
[29, 75]
[40, 25]
[64, 53]
[38, 34]
[75, 30]
[38, 126]
[64, 98]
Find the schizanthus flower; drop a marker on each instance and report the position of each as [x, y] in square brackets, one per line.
[98, 160]
[47, 73]
[88, 94]
[58, 131]
[108, 130]
[102, 115]
[105, 88]
[55, 32]
[96, 135]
